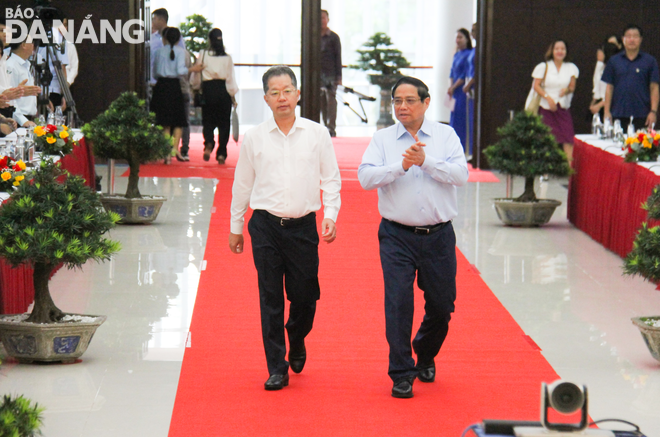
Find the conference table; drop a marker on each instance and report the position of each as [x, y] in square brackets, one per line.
[605, 193]
[16, 286]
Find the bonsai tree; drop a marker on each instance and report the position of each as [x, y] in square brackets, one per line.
[47, 223]
[195, 32]
[378, 55]
[126, 130]
[19, 418]
[527, 148]
[644, 259]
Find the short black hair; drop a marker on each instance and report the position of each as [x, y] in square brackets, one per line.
[422, 89]
[633, 26]
[278, 70]
[162, 13]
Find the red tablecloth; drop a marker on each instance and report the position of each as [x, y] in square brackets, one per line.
[16, 287]
[605, 194]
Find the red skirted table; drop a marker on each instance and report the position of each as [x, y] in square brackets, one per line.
[605, 193]
[16, 288]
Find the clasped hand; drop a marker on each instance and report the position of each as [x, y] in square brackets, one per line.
[414, 155]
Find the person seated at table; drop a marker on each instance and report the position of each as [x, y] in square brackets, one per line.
[18, 70]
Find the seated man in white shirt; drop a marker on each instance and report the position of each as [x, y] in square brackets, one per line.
[18, 71]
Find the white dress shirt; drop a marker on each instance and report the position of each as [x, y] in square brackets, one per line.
[423, 195]
[4, 78]
[283, 174]
[72, 66]
[555, 81]
[599, 86]
[219, 67]
[18, 69]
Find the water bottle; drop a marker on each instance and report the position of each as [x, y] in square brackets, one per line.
[51, 118]
[631, 128]
[607, 129]
[41, 121]
[595, 124]
[59, 116]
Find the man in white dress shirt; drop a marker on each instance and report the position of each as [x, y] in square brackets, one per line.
[18, 71]
[283, 165]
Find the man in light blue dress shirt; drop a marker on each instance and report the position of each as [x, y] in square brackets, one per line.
[416, 166]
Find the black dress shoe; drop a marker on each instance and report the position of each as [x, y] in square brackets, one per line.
[297, 357]
[403, 387]
[277, 382]
[426, 372]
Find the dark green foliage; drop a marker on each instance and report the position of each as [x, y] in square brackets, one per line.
[195, 32]
[52, 223]
[527, 148]
[126, 130]
[19, 418]
[644, 258]
[46, 223]
[652, 204]
[378, 55]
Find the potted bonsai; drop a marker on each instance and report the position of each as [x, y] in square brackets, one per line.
[19, 417]
[378, 55]
[644, 260]
[526, 148]
[126, 130]
[46, 223]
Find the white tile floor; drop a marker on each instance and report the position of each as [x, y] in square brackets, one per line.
[564, 289]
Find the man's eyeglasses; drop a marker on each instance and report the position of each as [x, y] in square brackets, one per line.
[409, 102]
[288, 92]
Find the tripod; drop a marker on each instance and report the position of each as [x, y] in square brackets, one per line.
[360, 96]
[44, 77]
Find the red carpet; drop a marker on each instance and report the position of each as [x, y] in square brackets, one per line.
[488, 368]
[349, 151]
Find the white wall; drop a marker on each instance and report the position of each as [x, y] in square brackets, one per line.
[268, 31]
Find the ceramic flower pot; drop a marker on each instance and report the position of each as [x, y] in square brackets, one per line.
[525, 214]
[34, 342]
[142, 210]
[649, 327]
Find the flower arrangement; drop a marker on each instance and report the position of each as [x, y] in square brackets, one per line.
[54, 140]
[12, 173]
[643, 147]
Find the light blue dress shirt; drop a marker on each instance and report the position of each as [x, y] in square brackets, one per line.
[171, 68]
[156, 42]
[423, 195]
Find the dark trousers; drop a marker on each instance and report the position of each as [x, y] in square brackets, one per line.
[432, 258]
[329, 107]
[216, 113]
[639, 122]
[289, 252]
[185, 133]
[55, 99]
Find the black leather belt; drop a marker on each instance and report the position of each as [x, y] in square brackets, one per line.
[421, 230]
[287, 222]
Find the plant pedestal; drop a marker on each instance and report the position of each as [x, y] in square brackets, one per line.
[385, 82]
[650, 334]
[525, 214]
[34, 342]
[143, 210]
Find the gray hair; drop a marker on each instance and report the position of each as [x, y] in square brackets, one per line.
[278, 70]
